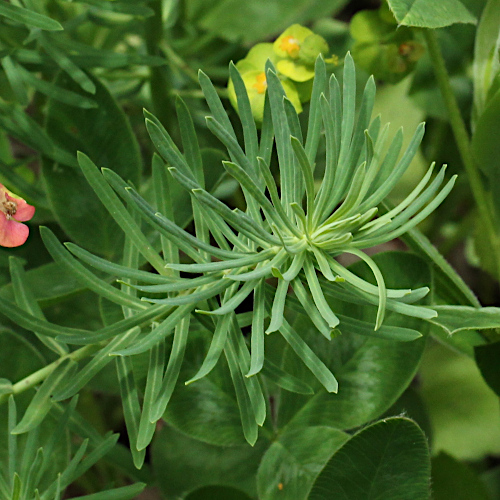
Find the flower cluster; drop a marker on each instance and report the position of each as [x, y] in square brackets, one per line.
[293, 55]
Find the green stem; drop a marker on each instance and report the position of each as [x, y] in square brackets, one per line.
[464, 146]
[159, 82]
[39, 376]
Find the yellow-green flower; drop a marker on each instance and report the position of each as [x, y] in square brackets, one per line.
[297, 48]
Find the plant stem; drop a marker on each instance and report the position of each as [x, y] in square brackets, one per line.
[39, 376]
[464, 146]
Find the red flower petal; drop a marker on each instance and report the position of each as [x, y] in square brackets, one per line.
[12, 233]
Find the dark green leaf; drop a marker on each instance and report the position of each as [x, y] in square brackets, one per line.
[389, 460]
[291, 464]
[487, 357]
[104, 134]
[453, 480]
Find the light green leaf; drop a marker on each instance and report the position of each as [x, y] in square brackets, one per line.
[453, 319]
[486, 54]
[389, 459]
[430, 14]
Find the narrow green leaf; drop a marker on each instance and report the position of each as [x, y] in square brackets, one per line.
[28, 17]
[285, 380]
[314, 123]
[66, 64]
[58, 93]
[257, 340]
[116, 269]
[250, 427]
[98, 362]
[173, 368]
[86, 277]
[122, 493]
[231, 304]
[246, 117]
[153, 384]
[317, 294]
[131, 407]
[215, 349]
[214, 103]
[41, 403]
[278, 308]
[25, 299]
[157, 334]
[306, 354]
[16, 80]
[110, 200]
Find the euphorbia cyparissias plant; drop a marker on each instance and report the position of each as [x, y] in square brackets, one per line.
[289, 231]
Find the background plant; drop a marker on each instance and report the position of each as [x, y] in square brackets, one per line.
[65, 90]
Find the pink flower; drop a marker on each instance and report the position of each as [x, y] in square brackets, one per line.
[13, 211]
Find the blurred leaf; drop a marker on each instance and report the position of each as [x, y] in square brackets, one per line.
[453, 480]
[463, 410]
[28, 17]
[486, 148]
[291, 464]
[430, 14]
[185, 464]
[104, 134]
[388, 459]
[123, 493]
[487, 357]
[219, 492]
[486, 57]
[258, 19]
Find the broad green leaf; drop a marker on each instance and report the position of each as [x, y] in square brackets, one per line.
[454, 319]
[463, 410]
[104, 134]
[250, 25]
[28, 17]
[193, 464]
[486, 56]
[454, 480]
[487, 357]
[389, 459]
[291, 464]
[430, 14]
[219, 492]
[48, 284]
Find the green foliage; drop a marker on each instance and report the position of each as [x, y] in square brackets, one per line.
[237, 304]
